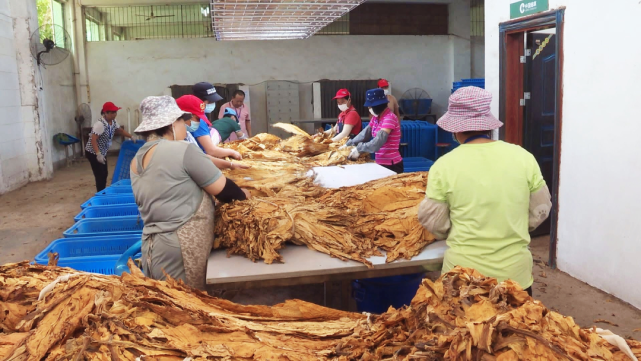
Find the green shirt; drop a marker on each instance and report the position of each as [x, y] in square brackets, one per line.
[487, 188]
[225, 126]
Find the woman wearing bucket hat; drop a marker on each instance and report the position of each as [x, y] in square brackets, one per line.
[173, 182]
[382, 135]
[484, 196]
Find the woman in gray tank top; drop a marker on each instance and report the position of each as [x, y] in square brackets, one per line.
[173, 182]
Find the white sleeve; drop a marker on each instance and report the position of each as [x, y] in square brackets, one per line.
[98, 128]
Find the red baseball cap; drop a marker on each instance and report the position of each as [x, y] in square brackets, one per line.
[383, 83]
[110, 107]
[192, 104]
[342, 93]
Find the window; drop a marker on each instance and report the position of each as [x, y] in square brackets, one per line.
[57, 10]
[93, 30]
[119, 23]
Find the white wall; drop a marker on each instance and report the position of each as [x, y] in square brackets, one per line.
[60, 106]
[599, 208]
[126, 72]
[24, 145]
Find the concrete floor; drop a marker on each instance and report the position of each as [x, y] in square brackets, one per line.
[35, 215]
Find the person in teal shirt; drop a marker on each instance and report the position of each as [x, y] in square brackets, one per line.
[485, 196]
[225, 126]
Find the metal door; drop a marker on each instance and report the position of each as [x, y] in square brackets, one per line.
[540, 83]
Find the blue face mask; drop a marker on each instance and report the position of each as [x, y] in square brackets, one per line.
[210, 108]
[193, 127]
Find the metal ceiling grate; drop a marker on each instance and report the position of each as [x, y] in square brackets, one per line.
[275, 19]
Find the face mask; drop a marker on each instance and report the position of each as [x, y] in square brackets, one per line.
[343, 107]
[193, 127]
[210, 108]
[371, 111]
[386, 91]
[173, 131]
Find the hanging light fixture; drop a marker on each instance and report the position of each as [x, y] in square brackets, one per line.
[275, 19]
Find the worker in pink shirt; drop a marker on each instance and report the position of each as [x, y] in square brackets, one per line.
[237, 103]
[381, 136]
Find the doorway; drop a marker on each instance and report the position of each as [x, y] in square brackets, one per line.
[531, 74]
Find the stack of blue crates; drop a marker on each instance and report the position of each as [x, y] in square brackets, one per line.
[418, 139]
[417, 164]
[107, 225]
[480, 82]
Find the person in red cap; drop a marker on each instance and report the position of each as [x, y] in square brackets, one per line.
[198, 133]
[99, 143]
[349, 122]
[393, 103]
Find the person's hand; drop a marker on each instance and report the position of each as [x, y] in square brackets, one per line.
[247, 193]
[234, 154]
[344, 146]
[101, 159]
[354, 154]
[239, 166]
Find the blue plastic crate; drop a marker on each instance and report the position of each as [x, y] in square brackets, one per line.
[115, 191]
[122, 183]
[128, 151]
[87, 246]
[105, 227]
[105, 265]
[375, 295]
[125, 198]
[118, 210]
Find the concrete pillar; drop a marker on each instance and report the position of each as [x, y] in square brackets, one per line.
[37, 141]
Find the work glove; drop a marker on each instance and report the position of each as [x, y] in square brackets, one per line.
[101, 159]
[354, 154]
[342, 147]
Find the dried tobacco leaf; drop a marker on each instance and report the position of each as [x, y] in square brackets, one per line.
[461, 316]
[350, 223]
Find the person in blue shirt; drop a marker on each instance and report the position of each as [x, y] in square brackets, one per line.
[200, 131]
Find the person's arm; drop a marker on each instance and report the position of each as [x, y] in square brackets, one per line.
[226, 191]
[540, 206]
[375, 144]
[434, 210]
[347, 128]
[241, 135]
[397, 109]
[94, 143]
[248, 126]
[435, 217]
[214, 151]
[122, 131]
[364, 136]
[207, 176]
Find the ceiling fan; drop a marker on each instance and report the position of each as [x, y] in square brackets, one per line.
[152, 16]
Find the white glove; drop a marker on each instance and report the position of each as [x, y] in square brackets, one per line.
[101, 158]
[354, 154]
[342, 147]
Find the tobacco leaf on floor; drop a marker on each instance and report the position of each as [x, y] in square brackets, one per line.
[460, 316]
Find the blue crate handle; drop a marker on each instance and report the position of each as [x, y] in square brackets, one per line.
[121, 264]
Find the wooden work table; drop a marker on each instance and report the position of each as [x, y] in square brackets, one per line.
[305, 266]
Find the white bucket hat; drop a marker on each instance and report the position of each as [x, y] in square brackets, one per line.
[158, 112]
[469, 110]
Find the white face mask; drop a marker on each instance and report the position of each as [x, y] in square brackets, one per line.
[371, 111]
[386, 91]
[343, 107]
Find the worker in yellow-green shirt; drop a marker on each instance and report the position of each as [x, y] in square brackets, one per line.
[485, 196]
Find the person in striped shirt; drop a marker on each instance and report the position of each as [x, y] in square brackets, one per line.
[382, 135]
